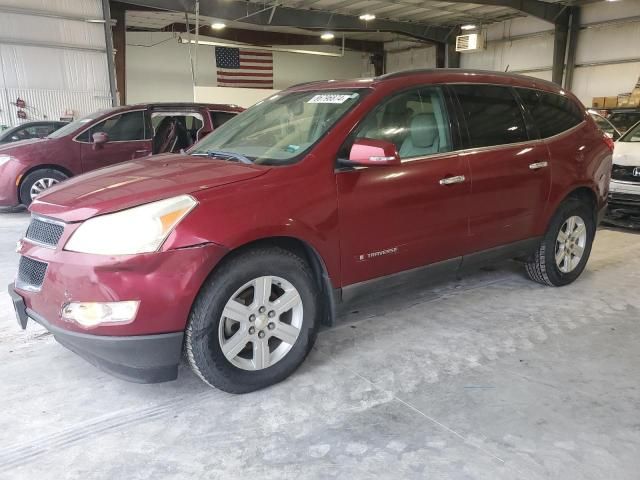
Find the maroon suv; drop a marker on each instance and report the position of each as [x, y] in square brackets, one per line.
[101, 139]
[234, 252]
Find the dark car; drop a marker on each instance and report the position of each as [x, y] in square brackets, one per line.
[28, 130]
[233, 253]
[624, 118]
[101, 139]
[605, 125]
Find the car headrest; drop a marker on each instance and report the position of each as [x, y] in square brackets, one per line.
[424, 130]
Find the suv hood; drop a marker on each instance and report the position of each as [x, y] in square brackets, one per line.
[137, 182]
[626, 153]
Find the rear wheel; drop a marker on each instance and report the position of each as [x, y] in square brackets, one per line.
[254, 321]
[566, 246]
[37, 182]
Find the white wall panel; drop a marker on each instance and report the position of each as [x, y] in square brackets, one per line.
[28, 28]
[518, 55]
[162, 72]
[53, 104]
[597, 12]
[410, 58]
[51, 69]
[88, 8]
[604, 80]
[38, 67]
[609, 43]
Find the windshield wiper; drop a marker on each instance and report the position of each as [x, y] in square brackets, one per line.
[228, 156]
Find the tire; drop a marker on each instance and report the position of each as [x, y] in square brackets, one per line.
[542, 266]
[44, 176]
[207, 326]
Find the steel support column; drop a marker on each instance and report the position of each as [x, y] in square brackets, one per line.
[559, 50]
[572, 46]
[118, 13]
[106, 13]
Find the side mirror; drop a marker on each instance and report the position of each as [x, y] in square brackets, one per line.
[369, 152]
[99, 139]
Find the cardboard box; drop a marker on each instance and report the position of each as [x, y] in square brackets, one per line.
[623, 99]
[597, 102]
[610, 102]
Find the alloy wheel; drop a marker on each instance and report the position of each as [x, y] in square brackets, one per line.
[41, 185]
[570, 244]
[260, 323]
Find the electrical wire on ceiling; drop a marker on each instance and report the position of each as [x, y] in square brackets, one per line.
[172, 37]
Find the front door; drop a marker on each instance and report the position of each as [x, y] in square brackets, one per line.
[128, 138]
[510, 171]
[396, 218]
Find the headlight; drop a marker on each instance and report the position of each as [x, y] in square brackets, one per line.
[140, 229]
[4, 158]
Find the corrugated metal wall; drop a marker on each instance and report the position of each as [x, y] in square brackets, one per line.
[53, 58]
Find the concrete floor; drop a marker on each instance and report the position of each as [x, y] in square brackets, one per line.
[488, 377]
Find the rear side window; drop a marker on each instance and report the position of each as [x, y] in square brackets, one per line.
[219, 118]
[552, 113]
[492, 114]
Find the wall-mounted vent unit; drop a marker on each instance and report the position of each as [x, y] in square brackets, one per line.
[469, 43]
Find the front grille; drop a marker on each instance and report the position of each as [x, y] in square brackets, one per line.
[625, 173]
[30, 274]
[43, 232]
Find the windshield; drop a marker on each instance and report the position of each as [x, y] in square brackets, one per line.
[280, 129]
[77, 124]
[633, 135]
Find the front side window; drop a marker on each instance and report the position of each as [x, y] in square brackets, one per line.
[633, 135]
[280, 129]
[78, 124]
[551, 112]
[125, 127]
[415, 121]
[492, 114]
[624, 120]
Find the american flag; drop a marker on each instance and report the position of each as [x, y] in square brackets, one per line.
[243, 67]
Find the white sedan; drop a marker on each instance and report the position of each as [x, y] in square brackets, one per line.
[625, 173]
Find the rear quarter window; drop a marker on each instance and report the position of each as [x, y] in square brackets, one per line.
[492, 115]
[552, 113]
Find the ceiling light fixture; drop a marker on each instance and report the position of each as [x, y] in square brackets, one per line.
[327, 36]
[367, 17]
[217, 25]
[468, 27]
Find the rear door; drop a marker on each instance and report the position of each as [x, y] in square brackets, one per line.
[129, 138]
[510, 171]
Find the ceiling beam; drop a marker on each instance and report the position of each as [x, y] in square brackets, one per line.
[550, 12]
[258, 14]
[270, 38]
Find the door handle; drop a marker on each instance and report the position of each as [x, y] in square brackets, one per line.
[452, 180]
[538, 165]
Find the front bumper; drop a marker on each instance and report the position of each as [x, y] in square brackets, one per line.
[166, 283]
[140, 358]
[9, 174]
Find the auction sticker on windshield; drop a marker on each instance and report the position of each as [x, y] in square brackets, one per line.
[328, 98]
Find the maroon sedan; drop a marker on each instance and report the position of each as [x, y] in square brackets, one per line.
[101, 139]
[234, 252]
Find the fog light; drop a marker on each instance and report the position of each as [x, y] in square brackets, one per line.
[91, 314]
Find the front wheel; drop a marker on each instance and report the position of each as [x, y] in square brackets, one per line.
[566, 246]
[254, 321]
[37, 182]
